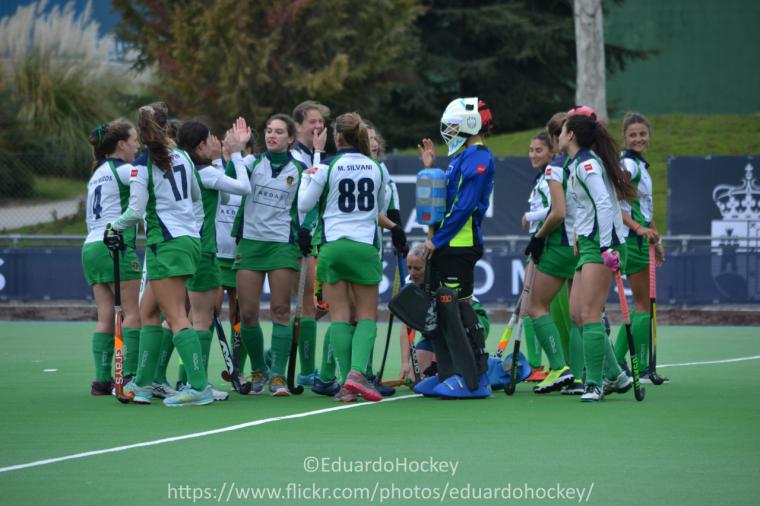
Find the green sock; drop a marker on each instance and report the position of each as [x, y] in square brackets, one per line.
[253, 337]
[282, 339]
[102, 352]
[189, 348]
[621, 341]
[560, 311]
[150, 351]
[243, 352]
[576, 351]
[612, 369]
[341, 336]
[167, 347]
[548, 335]
[532, 346]
[362, 343]
[307, 345]
[327, 369]
[205, 337]
[641, 339]
[594, 350]
[131, 347]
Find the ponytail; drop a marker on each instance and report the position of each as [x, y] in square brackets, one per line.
[105, 138]
[152, 122]
[590, 134]
[354, 132]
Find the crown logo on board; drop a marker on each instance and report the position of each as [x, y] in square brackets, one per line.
[739, 202]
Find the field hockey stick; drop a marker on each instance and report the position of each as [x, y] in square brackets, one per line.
[509, 388]
[118, 337]
[396, 283]
[638, 391]
[409, 331]
[292, 387]
[507, 334]
[226, 355]
[656, 379]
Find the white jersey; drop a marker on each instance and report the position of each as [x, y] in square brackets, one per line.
[269, 213]
[594, 203]
[107, 196]
[225, 217]
[641, 209]
[351, 191]
[169, 212]
[558, 171]
[302, 154]
[538, 204]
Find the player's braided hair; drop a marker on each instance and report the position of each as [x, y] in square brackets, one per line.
[152, 121]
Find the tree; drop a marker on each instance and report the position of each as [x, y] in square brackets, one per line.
[591, 83]
[223, 59]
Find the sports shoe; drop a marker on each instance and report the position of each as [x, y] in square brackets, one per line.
[646, 378]
[325, 387]
[574, 388]
[619, 385]
[454, 387]
[307, 380]
[384, 390]
[258, 380]
[98, 388]
[345, 395]
[591, 393]
[426, 386]
[357, 383]
[190, 397]
[537, 374]
[138, 394]
[219, 395]
[554, 381]
[278, 386]
[163, 390]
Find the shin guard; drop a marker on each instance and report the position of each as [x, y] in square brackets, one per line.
[475, 335]
[455, 335]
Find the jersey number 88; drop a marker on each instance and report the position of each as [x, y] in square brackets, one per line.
[364, 199]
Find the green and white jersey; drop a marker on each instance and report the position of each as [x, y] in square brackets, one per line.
[593, 201]
[169, 209]
[558, 171]
[270, 213]
[225, 218]
[391, 192]
[350, 191]
[641, 209]
[303, 154]
[108, 198]
[539, 203]
[214, 183]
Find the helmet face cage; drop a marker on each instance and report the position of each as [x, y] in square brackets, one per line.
[460, 120]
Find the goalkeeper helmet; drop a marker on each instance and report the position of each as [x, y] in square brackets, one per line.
[463, 118]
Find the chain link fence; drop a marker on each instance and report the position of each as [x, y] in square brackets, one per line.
[35, 191]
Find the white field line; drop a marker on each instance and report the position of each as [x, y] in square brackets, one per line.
[263, 421]
[195, 435]
[710, 362]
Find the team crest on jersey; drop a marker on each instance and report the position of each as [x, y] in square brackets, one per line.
[290, 180]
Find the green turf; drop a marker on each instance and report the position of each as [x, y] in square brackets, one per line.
[694, 441]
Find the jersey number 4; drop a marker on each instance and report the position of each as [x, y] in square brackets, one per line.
[96, 207]
[173, 182]
[364, 199]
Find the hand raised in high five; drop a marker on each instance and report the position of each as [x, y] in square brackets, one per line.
[427, 152]
[238, 135]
